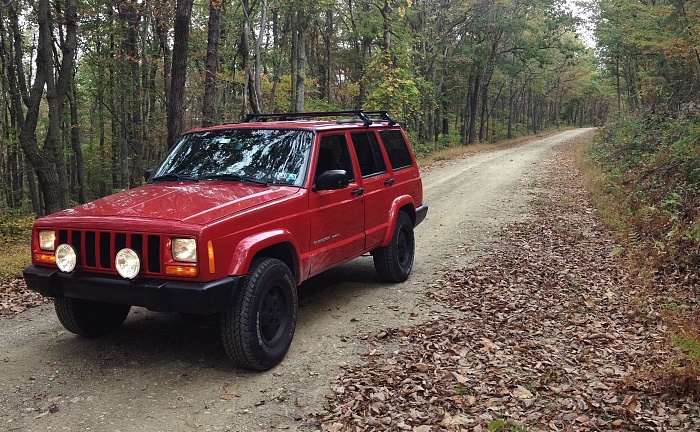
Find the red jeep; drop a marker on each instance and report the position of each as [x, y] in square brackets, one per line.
[229, 224]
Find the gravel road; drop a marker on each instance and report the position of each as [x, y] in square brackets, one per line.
[162, 373]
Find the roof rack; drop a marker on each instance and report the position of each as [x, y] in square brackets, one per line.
[364, 116]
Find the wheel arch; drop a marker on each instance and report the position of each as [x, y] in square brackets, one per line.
[279, 244]
[405, 204]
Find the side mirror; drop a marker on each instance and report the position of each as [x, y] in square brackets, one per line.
[148, 173]
[332, 180]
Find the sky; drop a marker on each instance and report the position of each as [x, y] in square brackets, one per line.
[584, 30]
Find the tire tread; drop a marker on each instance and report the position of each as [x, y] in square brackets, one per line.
[386, 258]
[237, 340]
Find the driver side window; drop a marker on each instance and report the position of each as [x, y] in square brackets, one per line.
[333, 154]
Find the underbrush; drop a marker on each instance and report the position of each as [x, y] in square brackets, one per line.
[645, 181]
[15, 235]
[682, 376]
[652, 169]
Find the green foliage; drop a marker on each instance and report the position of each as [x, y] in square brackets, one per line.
[650, 50]
[15, 226]
[15, 234]
[689, 344]
[499, 425]
[653, 165]
[393, 87]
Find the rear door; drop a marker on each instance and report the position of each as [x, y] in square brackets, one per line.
[337, 216]
[377, 184]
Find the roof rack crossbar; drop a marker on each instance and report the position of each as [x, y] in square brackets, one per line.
[363, 115]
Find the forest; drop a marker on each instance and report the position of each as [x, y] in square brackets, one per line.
[96, 92]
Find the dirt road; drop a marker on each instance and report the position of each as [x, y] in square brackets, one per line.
[160, 373]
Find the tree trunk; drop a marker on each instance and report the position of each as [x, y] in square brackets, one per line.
[49, 161]
[257, 81]
[162, 31]
[484, 112]
[511, 96]
[176, 104]
[328, 71]
[33, 192]
[212, 64]
[299, 50]
[130, 16]
[249, 102]
[77, 148]
[473, 103]
[281, 42]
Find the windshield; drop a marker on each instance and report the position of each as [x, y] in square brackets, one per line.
[272, 156]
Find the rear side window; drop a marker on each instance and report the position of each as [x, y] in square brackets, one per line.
[396, 148]
[369, 155]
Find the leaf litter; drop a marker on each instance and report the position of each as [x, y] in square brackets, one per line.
[546, 333]
[15, 297]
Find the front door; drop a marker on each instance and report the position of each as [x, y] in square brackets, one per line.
[337, 216]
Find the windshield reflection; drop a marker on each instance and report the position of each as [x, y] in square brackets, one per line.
[273, 156]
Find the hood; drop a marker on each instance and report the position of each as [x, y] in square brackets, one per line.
[187, 202]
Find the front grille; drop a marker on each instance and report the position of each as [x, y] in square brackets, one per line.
[96, 250]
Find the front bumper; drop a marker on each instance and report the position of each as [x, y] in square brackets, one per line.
[155, 294]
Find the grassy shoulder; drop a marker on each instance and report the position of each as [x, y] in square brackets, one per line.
[15, 235]
[643, 175]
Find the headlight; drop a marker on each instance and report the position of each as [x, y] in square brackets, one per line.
[184, 250]
[47, 239]
[66, 258]
[128, 263]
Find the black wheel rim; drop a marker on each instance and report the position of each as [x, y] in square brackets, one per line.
[273, 311]
[403, 245]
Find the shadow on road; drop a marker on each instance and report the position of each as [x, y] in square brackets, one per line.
[152, 339]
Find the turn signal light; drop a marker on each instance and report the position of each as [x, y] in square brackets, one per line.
[181, 271]
[40, 258]
[210, 253]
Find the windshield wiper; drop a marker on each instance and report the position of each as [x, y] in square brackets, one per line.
[234, 177]
[173, 177]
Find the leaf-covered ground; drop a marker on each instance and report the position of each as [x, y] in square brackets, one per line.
[16, 298]
[547, 333]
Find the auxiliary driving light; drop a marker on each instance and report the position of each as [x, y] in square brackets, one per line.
[66, 258]
[127, 263]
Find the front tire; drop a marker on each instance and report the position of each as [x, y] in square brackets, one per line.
[257, 330]
[89, 318]
[395, 261]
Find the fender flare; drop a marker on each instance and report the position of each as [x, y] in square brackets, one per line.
[396, 206]
[251, 245]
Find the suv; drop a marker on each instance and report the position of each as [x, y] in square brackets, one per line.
[229, 224]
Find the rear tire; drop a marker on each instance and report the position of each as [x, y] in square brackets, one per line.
[89, 318]
[395, 261]
[257, 330]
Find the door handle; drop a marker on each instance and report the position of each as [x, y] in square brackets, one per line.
[389, 182]
[358, 191]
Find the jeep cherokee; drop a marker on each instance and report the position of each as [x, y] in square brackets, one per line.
[231, 222]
